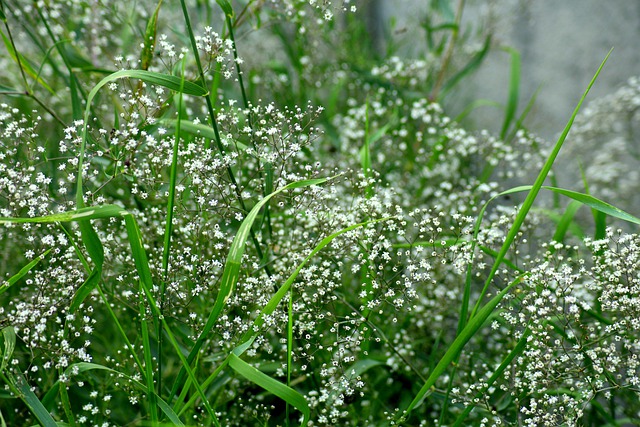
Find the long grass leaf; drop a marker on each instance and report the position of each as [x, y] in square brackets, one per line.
[23, 271]
[8, 346]
[26, 66]
[451, 354]
[514, 89]
[566, 220]
[146, 55]
[533, 193]
[31, 400]
[519, 348]
[275, 387]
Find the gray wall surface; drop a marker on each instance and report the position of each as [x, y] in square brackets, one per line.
[562, 42]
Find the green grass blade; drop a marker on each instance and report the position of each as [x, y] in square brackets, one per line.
[26, 66]
[31, 400]
[519, 348]
[535, 188]
[452, 352]
[584, 199]
[514, 88]
[85, 289]
[231, 271]
[226, 7]
[24, 270]
[146, 55]
[275, 387]
[8, 346]
[566, 220]
[93, 212]
[468, 69]
[198, 129]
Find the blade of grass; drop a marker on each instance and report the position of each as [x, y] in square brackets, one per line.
[22, 62]
[566, 220]
[8, 346]
[168, 229]
[275, 387]
[599, 220]
[23, 271]
[19, 385]
[535, 188]
[249, 336]
[473, 64]
[519, 348]
[472, 327]
[231, 271]
[514, 88]
[146, 55]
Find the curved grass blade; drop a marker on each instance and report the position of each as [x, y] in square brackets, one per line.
[533, 193]
[514, 87]
[23, 391]
[584, 199]
[250, 335]
[146, 55]
[23, 271]
[8, 345]
[22, 62]
[231, 271]
[461, 340]
[275, 387]
[519, 348]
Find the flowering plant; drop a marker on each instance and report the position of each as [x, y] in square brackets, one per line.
[196, 233]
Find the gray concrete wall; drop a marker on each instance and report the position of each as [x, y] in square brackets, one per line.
[562, 42]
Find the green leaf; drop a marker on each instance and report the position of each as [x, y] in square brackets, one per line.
[146, 55]
[533, 193]
[469, 68]
[226, 7]
[75, 58]
[92, 212]
[514, 87]
[566, 221]
[32, 401]
[469, 331]
[85, 289]
[585, 199]
[197, 129]
[8, 345]
[18, 58]
[275, 387]
[24, 270]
